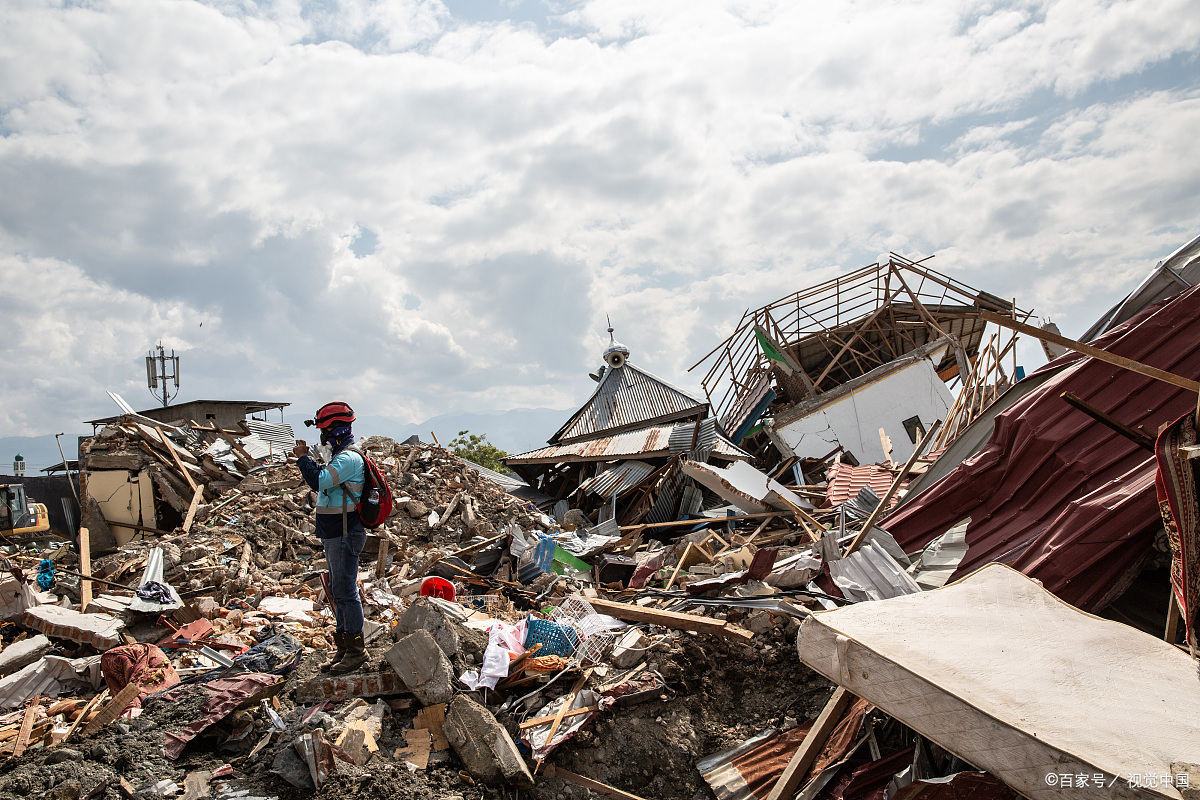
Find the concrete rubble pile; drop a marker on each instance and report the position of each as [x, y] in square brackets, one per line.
[689, 598]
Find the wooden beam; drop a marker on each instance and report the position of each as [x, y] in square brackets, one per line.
[810, 747]
[670, 619]
[1094, 352]
[722, 520]
[857, 333]
[178, 462]
[191, 512]
[587, 783]
[1132, 434]
[891, 492]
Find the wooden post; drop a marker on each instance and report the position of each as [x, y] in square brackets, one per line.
[1172, 631]
[891, 492]
[381, 559]
[810, 748]
[85, 568]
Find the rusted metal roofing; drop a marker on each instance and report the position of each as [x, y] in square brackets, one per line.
[616, 480]
[846, 481]
[1056, 494]
[628, 397]
[649, 442]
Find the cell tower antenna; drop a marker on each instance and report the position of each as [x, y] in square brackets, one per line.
[162, 370]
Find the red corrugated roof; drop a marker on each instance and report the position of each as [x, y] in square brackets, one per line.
[1056, 494]
[846, 481]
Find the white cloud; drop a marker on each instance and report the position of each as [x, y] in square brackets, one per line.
[667, 163]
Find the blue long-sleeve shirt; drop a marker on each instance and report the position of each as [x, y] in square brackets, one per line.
[346, 467]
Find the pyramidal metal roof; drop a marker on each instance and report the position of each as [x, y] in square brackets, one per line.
[627, 397]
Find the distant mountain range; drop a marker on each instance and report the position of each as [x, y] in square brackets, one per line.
[514, 431]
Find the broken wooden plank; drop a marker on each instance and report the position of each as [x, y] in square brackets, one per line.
[191, 512]
[432, 718]
[568, 699]
[178, 462]
[26, 727]
[99, 698]
[670, 619]
[381, 559]
[810, 748]
[533, 723]
[113, 709]
[587, 783]
[85, 567]
[418, 745]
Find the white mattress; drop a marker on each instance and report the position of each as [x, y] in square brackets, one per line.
[1017, 682]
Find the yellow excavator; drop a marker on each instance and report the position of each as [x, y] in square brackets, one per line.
[20, 518]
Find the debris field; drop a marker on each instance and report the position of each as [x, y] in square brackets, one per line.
[873, 558]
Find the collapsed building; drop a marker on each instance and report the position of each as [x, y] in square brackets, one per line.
[820, 371]
[726, 599]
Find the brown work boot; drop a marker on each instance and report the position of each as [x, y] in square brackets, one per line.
[340, 640]
[356, 654]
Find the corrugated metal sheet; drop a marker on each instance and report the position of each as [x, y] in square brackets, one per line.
[626, 396]
[651, 441]
[681, 438]
[1056, 494]
[1172, 275]
[615, 481]
[845, 482]
[665, 506]
[268, 438]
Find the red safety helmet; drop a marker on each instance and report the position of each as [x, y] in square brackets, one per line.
[334, 414]
[437, 587]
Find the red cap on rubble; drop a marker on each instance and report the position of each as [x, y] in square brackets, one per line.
[334, 414]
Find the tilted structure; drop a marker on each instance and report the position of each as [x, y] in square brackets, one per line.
[887, 337]
[622, 449]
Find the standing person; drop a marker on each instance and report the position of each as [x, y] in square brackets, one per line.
[338, 485]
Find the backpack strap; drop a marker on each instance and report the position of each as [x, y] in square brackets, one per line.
[345, 492]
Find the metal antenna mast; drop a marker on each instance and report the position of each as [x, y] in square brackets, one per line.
[162, 369]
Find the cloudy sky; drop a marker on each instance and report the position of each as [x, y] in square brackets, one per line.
[427, 205]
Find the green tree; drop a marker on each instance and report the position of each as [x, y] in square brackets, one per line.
[479, 450]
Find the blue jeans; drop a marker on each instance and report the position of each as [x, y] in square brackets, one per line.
[342, 554]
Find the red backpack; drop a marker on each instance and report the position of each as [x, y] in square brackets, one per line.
[375, 503]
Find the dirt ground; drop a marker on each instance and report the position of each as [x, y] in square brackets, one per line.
[719, 693]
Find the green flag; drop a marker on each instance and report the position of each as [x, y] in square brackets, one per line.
[771, 351]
